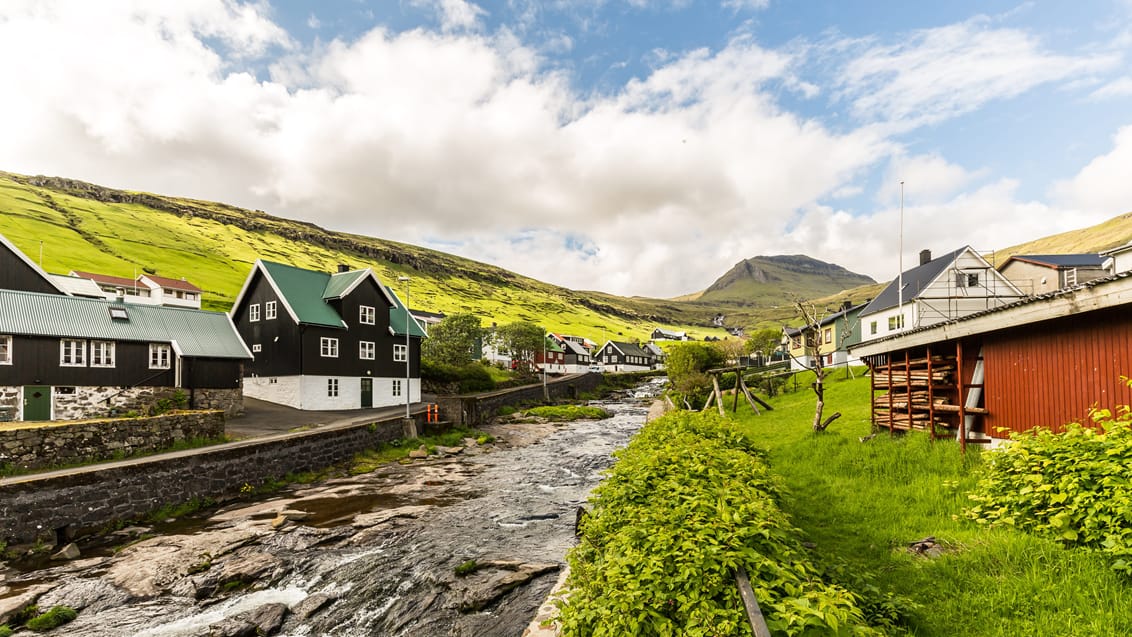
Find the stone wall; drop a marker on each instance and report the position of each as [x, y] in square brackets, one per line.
[43, 446]
[33, 507]
[9, 403]
[78, 403]
[229, 401]
[476, 409]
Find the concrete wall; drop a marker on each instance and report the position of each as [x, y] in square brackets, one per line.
[34, 507]
[310, 392]
[476, 409]
[35, 447]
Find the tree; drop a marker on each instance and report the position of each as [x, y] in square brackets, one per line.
[731, 349]
[453, 340]
[686, 364]
[765, 341]
[522, 340]
[811, 341]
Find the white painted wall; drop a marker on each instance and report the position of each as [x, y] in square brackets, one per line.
[310, 392]
[281, 390]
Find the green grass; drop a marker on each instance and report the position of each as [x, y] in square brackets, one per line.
[861, 504]
[399, 449]
[564, 413]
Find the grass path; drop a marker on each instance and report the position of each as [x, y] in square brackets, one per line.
[861, 504]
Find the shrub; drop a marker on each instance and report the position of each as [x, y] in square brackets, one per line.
[472, 377]
[1071, 486]
[689, 501]
[5, 631]
[57, 616]
[562, 413]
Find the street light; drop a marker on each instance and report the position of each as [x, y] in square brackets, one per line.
[545, 395]
[408, 317]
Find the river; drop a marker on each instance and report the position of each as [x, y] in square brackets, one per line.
[373, 554]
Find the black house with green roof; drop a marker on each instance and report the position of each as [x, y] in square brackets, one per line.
[326, 341]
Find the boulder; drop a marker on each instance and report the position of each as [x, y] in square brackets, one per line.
[268, 619]
[312, 605]
[69, 552]
[419, 452]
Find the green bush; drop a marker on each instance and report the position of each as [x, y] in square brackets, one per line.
[689, 501]
[1071, 486]
[472, 377]
[562, 413]
[5, 631]
[57, 616]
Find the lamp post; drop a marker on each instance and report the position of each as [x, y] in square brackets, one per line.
[408, 317]
[545, 395]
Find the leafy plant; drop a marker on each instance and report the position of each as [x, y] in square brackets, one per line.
[466, 568]
[1071, 486]
[5, 631]
[689, 501]
[563, 413]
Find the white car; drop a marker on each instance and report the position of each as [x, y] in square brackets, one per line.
[596, 369]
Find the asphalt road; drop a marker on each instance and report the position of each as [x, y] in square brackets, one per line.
[262, 418]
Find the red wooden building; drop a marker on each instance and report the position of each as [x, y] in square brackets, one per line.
[1041, 361]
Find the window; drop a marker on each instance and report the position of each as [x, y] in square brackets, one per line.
[158, 356]
[827, 334]
[367, 315]
[72, 353]
[873, 327]
[257, 348]
[399, 353]
[795, 342]
[396, 387]
[329, 347]
[5, 350]
[896, 322]
[102, 353]
[367, 350]
[253, 312]
[332, 388]
[967, 279]
[269, 310]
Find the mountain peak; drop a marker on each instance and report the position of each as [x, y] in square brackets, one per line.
[766, 280]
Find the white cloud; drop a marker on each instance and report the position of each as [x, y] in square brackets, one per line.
[1103, 187]
[947, 71]
[455, 15]
[313, 21]
[927, 178]
[749, 5]
[1120, 87]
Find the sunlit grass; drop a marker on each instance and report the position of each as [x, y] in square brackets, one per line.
[863, 503]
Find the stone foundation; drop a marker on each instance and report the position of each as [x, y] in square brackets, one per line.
[36, 447]
[229, 401]
[9, 403]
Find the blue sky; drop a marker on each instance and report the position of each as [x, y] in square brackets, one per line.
[636, 147]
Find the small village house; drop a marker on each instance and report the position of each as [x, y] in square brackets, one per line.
[831, 339]
[1041, 273]
[553, 359]
[64, 357]
[576, 359]
[146, 289]
[661, 334]
[1118, 259]
[956, 284]
[617, 356]
[656, 355]
[324, 341]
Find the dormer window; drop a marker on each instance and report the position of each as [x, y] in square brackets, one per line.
[367, 315]
[253, 312]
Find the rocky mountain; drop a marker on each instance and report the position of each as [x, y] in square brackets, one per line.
[769, 281]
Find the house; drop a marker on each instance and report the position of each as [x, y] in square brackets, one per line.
[64, 357]
[325, 341]
[956, 284]
[146, 289]
[660, 334]
[1041, 361]
[1118, 259]
[617, 356]
[492, 350]
[576, 358]
[552, 359]
[427, 319]
[831, 340]
[655, 355]
[1041, 273]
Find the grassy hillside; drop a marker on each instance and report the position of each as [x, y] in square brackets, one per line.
[87, 227]
[1109, 234]
[759, 281]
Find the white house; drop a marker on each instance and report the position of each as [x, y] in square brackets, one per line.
[959, 283]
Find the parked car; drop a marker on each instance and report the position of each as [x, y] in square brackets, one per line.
[596, 369]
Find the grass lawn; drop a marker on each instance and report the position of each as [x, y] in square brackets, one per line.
[861, 504]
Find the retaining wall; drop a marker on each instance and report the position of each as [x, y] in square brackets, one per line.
[35, 447]
[476, 409]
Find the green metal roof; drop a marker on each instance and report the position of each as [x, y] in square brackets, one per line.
[341, 282]
[303, 291]
[398, 316]
[196, 333]
[552, 345]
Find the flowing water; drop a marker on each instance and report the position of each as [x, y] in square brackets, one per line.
[374, 554]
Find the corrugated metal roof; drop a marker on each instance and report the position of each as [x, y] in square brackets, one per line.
[78, 286]
[197, 333]
[552, 345]
[302, 291]
[340, 283]
[398, 317]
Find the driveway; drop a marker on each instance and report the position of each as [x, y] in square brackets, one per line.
[262, 418]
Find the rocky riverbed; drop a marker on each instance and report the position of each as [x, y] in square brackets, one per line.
[466, 544]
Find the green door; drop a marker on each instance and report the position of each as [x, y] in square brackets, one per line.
[367, 393]
[37, 402]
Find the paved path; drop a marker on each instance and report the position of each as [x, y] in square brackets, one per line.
[262, 418]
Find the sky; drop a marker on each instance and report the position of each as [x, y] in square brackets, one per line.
[638, 147]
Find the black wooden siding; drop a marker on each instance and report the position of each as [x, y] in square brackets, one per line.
[15, 274]
[35, 361]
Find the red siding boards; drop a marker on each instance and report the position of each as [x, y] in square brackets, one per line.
[1052, 373]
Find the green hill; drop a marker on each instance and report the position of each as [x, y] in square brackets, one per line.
[764, 281]
[1107, 234]
[82, 226]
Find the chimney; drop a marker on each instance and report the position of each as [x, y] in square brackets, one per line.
[343, 267]
[925, 256]
[120, 294]
[845, 305]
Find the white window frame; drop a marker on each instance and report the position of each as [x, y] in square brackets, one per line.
[269, 312]
[253, 313]
[5, 350]
[160, 356]
[400, 353]
[367, 315]
[103, 350]
[896, 322]
[396, 387]
[331, 387]
[72, 352]
[328, 347]
[257, 347]
[367, 350]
